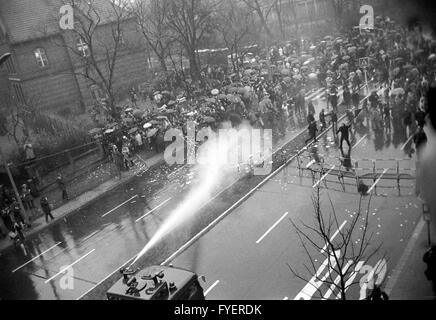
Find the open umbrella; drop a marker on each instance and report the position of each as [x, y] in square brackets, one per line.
[346, 58]
[109, 131]
[210, 100]
[432, 56]
[297, 77]
[313, 76]
[147, 125]
[215, 92]
[161, 118]
[328, 38]
[398, 91]
[312, 48]
[133, 130]
[233, 99]
[414, 72]
[208, 119]
[152, 132]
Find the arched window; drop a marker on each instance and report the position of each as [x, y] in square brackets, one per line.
[41, 57]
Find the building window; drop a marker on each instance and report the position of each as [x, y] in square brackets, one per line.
[19, 95]
[82, 47]
[41, 57]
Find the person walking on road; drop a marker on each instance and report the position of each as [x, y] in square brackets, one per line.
[61, 184]
[344, 130]
[334, 120]
[312, 132]
[45, 206]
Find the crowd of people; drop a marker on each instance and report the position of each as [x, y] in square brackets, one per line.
[269, 91]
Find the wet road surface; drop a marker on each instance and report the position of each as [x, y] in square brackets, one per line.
[105, 235]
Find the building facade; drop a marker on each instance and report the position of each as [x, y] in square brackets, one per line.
[45, 68]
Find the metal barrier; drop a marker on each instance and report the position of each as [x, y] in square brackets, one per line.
[356, 172]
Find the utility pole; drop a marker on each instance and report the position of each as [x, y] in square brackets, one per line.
[3, 59]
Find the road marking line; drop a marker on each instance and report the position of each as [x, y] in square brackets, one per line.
[334, 235]
[36, 257]
[377, 181]
[91, 235]
[151, 211]
[360, 141]
[323, 177]
[135, 196]
[272, 227]
[404, 257]
[107, 277]
[244, 198]
[69, 266]
[407, 142]
[211, 287]
[220, 217]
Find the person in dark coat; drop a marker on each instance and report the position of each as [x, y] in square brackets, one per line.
[322, 120]
[45, 206]
[62, 186]
[344, 130]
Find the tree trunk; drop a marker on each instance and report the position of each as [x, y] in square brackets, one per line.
[193, 65]
[163, 64]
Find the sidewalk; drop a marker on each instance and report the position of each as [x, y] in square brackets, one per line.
[410, 282]
[83, 199]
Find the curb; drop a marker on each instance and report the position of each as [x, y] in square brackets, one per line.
[81, 206]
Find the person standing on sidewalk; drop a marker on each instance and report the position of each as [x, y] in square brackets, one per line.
[45, 206]
[61, 184]
[118, 161]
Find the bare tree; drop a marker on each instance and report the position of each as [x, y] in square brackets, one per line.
[96, 43]
[345, 11]
[190, 22]
[151, 17]
[235, 25]
[344, 256]
[263, 10]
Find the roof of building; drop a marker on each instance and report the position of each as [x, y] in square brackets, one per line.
[30, 19]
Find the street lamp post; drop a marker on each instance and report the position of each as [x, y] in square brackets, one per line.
[3, 59]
